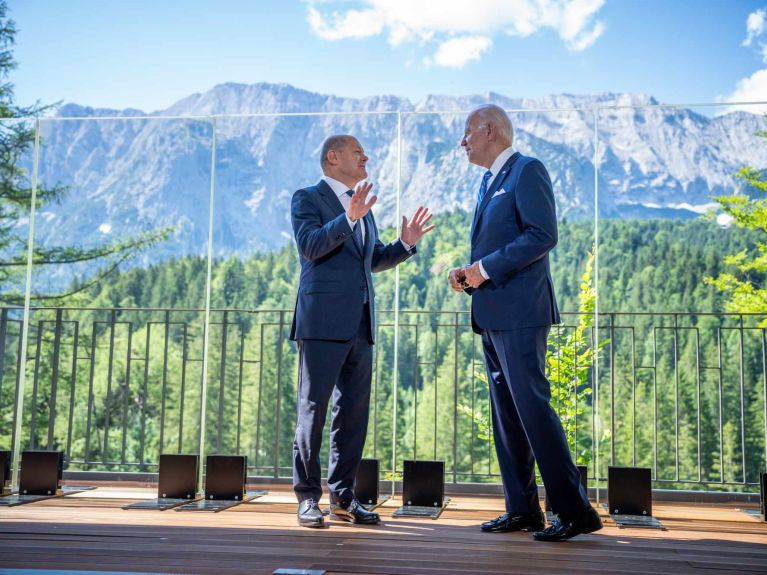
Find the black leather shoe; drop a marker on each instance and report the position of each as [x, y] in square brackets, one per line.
[562, 529]
[355, 512]
[309, 514]
[516, 522]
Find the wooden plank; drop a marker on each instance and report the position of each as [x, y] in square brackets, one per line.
[93, 533]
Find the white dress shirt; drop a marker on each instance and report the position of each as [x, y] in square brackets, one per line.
[502, 158]
[340, 189]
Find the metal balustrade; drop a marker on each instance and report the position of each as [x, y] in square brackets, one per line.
[681, 393]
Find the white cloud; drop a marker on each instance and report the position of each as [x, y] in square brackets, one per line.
[457, 23]
[352, 24]
[584, 41]
[575, 17]
[457, 52]
[755, 25]
[751, 89]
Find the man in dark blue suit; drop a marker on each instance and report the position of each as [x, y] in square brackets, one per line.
[512, 308]
[334, 324]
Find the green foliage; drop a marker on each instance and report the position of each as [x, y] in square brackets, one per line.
[479, 416]
[17, 138]
[745, 289]
[570, 358]
[649, 397]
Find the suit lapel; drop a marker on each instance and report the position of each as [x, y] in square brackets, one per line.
[497, 182]
[331, 199]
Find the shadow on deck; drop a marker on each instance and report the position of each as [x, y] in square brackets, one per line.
[90, 532]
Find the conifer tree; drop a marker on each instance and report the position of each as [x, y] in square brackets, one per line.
[17, 139]
[746, 290]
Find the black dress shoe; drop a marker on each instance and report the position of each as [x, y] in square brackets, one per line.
[309, 514]
[534, 521]
[562, 529]
[354, 513]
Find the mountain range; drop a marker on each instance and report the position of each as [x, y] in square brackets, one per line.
[128, 171]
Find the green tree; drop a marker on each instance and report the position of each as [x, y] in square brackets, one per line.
[746, 292]
[570, 358]
[17, 138]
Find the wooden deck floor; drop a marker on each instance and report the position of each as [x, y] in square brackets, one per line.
[90, 532]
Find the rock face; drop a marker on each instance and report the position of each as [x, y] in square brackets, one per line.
[127, 172]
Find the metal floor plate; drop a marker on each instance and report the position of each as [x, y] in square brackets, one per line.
[421, 511]
[369, 506]
[381, 500]
[754, 513]
[644, 521]
[159, 504]
[14, 499]
[216, 505]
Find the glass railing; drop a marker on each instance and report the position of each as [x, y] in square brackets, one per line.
[162, 278]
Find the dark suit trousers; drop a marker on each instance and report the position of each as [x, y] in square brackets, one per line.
[342, 369]
[526, 428]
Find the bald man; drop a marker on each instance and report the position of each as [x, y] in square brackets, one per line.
[512, 308]
[334, 323]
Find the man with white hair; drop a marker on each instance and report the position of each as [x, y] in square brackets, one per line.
[512, 308]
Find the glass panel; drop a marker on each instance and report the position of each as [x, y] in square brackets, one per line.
[18, 137]
[115, 347]
[679, 369]
[253, 369]
[444, 409]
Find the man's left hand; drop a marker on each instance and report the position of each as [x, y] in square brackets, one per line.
[415, 229]
[473, 276]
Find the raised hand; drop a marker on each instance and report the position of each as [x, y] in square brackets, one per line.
[358, 205]
[414, 230]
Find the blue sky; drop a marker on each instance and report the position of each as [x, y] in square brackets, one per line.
[149, 54]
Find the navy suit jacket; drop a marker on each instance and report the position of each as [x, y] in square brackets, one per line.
[335, 273]
[514, 229]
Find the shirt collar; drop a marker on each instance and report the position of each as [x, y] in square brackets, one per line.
[338, 188]
[502, 158]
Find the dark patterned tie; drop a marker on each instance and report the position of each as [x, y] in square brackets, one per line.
[357, 231]
[483, 187]
[357, 235]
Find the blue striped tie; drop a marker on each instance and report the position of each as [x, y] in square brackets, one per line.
[483, 187]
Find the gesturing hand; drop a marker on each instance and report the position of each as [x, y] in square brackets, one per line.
[414, 230]
[358, 205]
